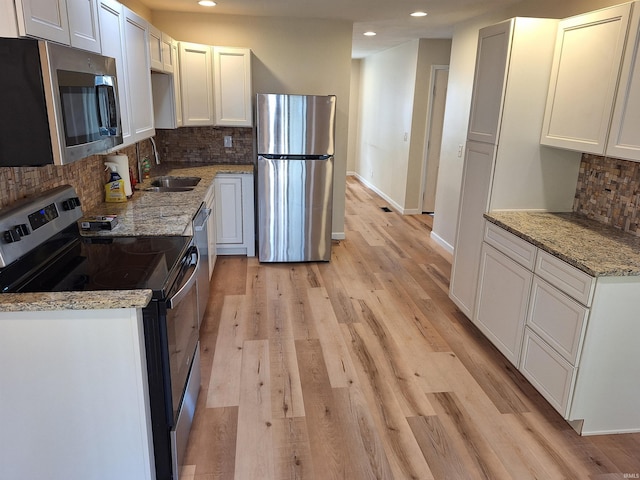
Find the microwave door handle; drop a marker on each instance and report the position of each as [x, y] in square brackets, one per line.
[188, 284]
[106, 105]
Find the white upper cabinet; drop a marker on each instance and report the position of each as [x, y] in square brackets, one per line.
[70, 22]
[196, 84]
[112, 33]
[232, 86]
[136, 31]
[584, 78]
[84, 29]
[155, 48]
[161, 56]
[624, 141]
[488, 87]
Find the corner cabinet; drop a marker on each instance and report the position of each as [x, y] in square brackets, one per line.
[196, 84]
[570, 334]
[234, 212]
[598, 116]
[232, 87]
[70, 22]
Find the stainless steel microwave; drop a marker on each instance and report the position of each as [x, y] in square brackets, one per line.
[57, 104]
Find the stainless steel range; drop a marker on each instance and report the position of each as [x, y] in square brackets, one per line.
[41, 250]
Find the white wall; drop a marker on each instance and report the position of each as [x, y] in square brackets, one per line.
[310, 56]
[394, 99]
[463, 53]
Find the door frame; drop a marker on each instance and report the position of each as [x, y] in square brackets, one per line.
[429, 129]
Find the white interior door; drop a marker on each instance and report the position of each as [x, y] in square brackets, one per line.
[439, 80]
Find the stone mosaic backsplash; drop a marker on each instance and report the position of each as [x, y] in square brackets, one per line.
[188, 144]
[608, 191]
[206, 145]
[88, 176]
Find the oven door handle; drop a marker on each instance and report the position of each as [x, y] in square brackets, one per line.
[189, 283]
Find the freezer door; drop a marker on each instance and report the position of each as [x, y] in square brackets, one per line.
[295, 204]
[295, 124]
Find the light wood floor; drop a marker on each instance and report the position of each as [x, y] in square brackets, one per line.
[362, 368]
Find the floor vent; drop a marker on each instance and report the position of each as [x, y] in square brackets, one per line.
[386, 209]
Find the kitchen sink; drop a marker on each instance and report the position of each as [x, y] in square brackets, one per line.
[168, 189]
[174, 182]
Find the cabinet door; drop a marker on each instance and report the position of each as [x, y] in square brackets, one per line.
[584, 78]
[624, 141]
[489, 82]
[169, 54]
[138, 76]
[232, 86]
[113, 39]
[228, 196]
[474, 199]
[196, 82]
[84, 27]
[44, 19]
[210, 201]
[503, 296]
[155, 48]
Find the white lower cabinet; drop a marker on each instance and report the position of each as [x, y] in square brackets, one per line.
[548, 371]
[210, 203]
[503, 293]
[234, 214]
[573, 336]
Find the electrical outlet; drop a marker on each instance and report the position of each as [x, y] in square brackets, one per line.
[460, 148]
[228, 142]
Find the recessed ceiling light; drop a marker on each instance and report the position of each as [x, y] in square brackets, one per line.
[419, 14]
[369, 34]
[207, 3]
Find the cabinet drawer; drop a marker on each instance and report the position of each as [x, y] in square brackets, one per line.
[512, 246]
[558, 319]
[567, 278]
[547, 371]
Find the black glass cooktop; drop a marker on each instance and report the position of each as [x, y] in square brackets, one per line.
[69, 262]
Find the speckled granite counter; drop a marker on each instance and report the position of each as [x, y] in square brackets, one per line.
[594, 248]
[41, 302]
[145, 214]
[162, 213]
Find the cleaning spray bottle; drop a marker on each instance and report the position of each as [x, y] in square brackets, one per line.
[114, 189]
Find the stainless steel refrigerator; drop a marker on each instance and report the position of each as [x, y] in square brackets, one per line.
[295, 147]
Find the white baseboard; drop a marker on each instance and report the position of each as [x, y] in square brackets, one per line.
[338, 236]
[385, 197]
[440, 241]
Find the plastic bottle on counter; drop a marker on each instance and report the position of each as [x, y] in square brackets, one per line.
[114, 191]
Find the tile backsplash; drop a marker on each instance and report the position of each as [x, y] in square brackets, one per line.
[184, 145]
[88, 176]
[608, 191]
[206, 145]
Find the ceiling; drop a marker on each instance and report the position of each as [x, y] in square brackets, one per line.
[390, 19]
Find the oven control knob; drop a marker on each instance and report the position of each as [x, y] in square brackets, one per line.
[23, 229]
[71, 203]
[12, 235]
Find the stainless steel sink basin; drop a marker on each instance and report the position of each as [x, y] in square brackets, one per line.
[171, 181]
[168, 189]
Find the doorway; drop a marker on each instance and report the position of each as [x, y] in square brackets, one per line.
[439, 80]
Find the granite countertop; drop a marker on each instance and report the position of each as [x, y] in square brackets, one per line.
[145, 214]
[597, 249]
[162, 213]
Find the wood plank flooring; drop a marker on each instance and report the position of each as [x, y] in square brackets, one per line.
[362, 368]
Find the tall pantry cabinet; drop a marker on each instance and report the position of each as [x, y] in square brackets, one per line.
[505, 167]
